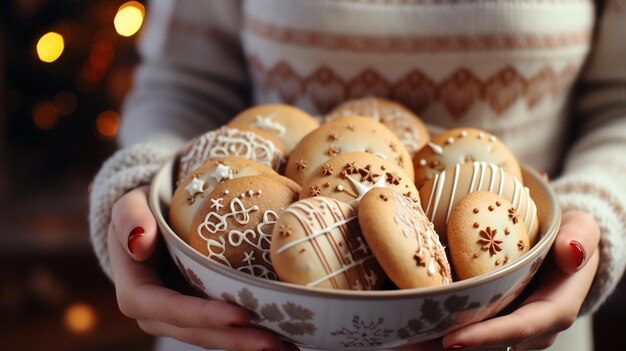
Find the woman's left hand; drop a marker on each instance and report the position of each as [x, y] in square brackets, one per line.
[553, 307]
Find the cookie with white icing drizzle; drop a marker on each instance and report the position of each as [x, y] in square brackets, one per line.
[462, 145]
[348, 177]
[403, 240]
[441, 193]
[317, 242]
[234, 223]
[405, 124]
[342, 135]
[192, 189]
[483, 235]
[287, 123]
[253, 144]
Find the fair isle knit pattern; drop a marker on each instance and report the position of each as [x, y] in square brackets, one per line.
[506, 66]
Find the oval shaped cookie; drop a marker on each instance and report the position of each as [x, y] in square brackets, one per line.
[192, 189]
[462, 145]
[441, 193]
[287, 123]
[243, 141]
[403, 240]
[346, 134]
[317, 242]
[234, 223]
[405, 124]
[482, 235]
[348, 177]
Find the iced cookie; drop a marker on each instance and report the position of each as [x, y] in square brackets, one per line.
[441, 193]
[403, 240]
[317, 242]
[342, 135]
[243, 141]
[348, 177]
[405, 124]
[483, 234]
[287, 123]
[234, 223]
[196, 185]
[462, 145]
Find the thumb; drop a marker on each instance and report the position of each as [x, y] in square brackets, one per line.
[577, 241]
[134, 224]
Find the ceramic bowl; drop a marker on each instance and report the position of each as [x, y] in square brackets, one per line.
[359, 320]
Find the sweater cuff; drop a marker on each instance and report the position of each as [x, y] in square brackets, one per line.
[589, 194]
[127, 169]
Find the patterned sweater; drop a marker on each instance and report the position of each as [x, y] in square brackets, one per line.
[507, 66]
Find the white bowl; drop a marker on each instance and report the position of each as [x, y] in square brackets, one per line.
[359, 320]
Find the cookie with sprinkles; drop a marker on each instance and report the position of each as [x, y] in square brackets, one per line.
[348, 177]
[405, 124]
[194, 187]
[317, 242]
[233, 225]
[343, 135]
[243, 141]
[482, 236]
[403, 240]
[441, 193]
[287, 123]
[462, 145]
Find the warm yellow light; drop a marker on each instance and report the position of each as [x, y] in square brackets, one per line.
[80, 318]
[50, 47]
[107, 124]
[129, 18]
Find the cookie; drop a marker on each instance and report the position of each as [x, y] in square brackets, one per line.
[403, 240]
[405, 124]
[342, 135]
[441, 193]
[234, 223]
[287, 123]
[196, 185]
[317, 242]
[348, 177]
[462, 145]
[483, 235]
[243, 141]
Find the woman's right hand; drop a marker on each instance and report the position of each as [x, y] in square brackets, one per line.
[132, 239]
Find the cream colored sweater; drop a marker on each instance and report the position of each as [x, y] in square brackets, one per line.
[506, 66]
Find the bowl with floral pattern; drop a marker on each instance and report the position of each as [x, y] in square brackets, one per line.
[359, 320]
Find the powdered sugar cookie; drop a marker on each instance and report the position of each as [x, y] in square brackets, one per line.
[403, 240]
[405, 124]
[317, 242]
[287, 123]
[441, 193]
[462, 145]
[243, 141]
[234, 223]
[483, 235]
[195, 186]
[348, 177]
[342, 135]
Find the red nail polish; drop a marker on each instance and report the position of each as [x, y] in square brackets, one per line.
[579, 253]
[239, 324]
[456, 347]
[135, 234]
[270, 350]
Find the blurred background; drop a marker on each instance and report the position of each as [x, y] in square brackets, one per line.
[65, 67]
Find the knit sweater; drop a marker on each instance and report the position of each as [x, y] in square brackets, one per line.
[506, 66]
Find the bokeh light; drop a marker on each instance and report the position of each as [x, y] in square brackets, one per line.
[50, 47]
[65, 102]
[80, 318]
[107, 124]
[129, 18]
[45, 115]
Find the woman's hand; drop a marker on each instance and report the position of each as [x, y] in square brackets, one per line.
[160, 311]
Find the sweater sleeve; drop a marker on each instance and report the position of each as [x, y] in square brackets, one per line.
[595, 167]
[192, 78]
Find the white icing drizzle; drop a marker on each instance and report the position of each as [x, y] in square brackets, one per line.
[195, 187]
[432, 191]
[454, 185]
[501, 187]
[440, 184]
[216, 204]
[266, 123]
[341, 270]
[313, 235]
[494, 172]
[436, 148]
[474, 168]
[526, 217]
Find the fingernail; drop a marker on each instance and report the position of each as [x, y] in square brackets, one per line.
[270, 350]
[579, 253]
[135, 234]
[456, 347]
[239, 324]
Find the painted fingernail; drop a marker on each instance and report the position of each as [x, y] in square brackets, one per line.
[579, 253]
[135, 234]
[456, 347]
[270, 350]
[239, 324]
